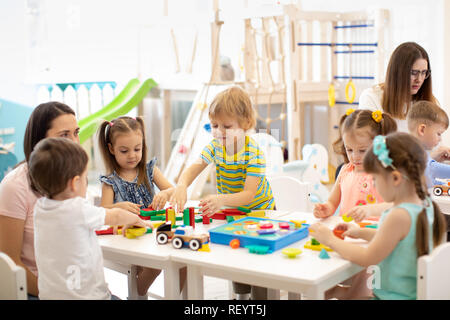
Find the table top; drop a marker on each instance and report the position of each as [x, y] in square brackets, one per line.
[443, 202]
[306, 268]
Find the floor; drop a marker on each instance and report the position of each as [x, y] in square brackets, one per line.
[214, 288]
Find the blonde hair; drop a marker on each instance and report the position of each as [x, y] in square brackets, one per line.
[107, 133]
[234, 102]
[427, 113]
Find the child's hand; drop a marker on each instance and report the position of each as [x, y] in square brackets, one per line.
[351, 230]
[321, 233]
[211, 204]
[159, 200]
[129, 206]
[441, 154]
[179, 198]
[322, 210]
[358, 213]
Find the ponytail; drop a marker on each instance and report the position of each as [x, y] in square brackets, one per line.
[422, 236]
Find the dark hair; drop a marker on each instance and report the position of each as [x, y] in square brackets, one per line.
[397, 86]
[108, 131]
[426, 112]
[53, 162]
[408, 155]
[363, 119]
[39, 123]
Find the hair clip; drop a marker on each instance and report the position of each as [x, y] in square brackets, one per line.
[381, 151]
[349, 111]
[110, 123]
[377, 116]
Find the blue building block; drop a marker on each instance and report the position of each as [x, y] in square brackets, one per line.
[324, 254]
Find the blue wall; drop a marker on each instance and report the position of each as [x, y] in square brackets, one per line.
[14, 115]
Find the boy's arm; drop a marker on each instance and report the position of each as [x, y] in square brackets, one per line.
[244, 197]
[120, 217]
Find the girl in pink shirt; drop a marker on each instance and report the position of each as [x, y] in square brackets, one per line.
[353, 186]
[18, 197]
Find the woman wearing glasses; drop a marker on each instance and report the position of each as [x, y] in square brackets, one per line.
[408, 79]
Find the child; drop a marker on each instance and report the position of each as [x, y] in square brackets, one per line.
[68, 256]
[130, 180]
[353, 186]
[397, 163]
[427, 122]
[239, 162]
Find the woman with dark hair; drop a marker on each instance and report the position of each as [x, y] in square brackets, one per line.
[408, 79]
[18, 196]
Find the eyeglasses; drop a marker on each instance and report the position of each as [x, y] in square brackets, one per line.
[424, 73]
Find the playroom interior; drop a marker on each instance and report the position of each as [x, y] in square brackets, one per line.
[302, 62]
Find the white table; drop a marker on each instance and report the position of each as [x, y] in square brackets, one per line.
[443, 202]
[307, 274]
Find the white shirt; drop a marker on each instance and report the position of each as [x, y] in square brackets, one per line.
[371, 99]
[68, 255]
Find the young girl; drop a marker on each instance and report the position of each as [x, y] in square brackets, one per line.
[411, 228]
[240, 164]
[353, 186]
[130, 180]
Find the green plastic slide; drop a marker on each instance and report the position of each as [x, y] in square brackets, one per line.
[123, 103]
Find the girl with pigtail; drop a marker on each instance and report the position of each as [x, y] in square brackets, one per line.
[354, 192]
[130, 180]
[411, 228]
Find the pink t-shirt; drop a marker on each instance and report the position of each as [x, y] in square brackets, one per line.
[17, 201]
[357, 188]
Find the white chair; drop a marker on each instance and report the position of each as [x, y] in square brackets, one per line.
[433, 282]
[13, 280]
[290, 194]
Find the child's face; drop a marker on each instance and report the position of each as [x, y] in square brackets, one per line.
[432, 135]
[64, 126]
[127, 149]
[226, 130]
[356, 144]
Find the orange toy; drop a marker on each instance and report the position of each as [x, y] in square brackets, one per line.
[338, 233]
[235, 243]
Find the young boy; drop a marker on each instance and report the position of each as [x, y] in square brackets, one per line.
[68, 256]
[427, 122]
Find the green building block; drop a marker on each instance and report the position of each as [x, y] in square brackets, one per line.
[157, 218]
[314, 242]
[230, 219]
[244, 209]
[258, 249]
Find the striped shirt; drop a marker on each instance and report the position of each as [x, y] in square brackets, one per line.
[232, 170]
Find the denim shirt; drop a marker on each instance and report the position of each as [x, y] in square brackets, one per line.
[130, 190]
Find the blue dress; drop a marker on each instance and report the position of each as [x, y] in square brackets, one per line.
[398, 271]
[130, 190]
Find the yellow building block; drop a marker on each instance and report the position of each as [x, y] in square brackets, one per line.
[171, 216]
[319, 247]
[205, 248]
[132, 233]
[257, 213]
[298, 223]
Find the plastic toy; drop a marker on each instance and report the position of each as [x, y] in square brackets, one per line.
[338, 233]
[298, 223]
[323, 254]
[442, 189]
[205, 220]
[170, 215]
[316, 247]
[291, 252]
[257, 213]
[346, 218]
[183, 236]
[235, 243]
[247, 230]
[133, 233]
[258, 249]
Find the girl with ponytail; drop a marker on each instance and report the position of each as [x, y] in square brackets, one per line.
[411, 228]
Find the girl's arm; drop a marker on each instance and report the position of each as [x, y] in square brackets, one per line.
[324, 210]
[165, 187]
[11, 241]
[393, 229]
[107, 201]
[179, 195]
[359, 213]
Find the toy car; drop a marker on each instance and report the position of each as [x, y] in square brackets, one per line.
[442, 188]
[182, 236]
